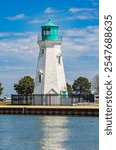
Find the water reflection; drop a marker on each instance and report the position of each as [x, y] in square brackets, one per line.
[55, 133]
[48, 133]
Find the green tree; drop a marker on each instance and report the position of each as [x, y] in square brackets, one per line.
[25, 86]
[82, 85]
[69, 88]
[1, 89]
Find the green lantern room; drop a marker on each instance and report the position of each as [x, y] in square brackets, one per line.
[50, 31]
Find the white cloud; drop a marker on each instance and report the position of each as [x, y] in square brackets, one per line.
[18, 57]
[94, 2]
[83, 13]
[16, 17]
[12, 68]
[49, 10]
[80, 52]
[81, 40]
[36, 21]
[3, 34]
[84, 16]
[19, 48]
[74, 10]
[76, 40]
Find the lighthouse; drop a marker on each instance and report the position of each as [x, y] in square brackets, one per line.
[50, 76]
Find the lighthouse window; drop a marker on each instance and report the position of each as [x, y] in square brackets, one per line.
[44, 32]
[47, 31]
[59, 59]
[42, 50]
[39, 77]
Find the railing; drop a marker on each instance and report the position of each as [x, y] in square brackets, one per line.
[21, 99]
[39, 38]
[42, 99]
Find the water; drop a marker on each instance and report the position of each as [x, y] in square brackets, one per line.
[19, 132]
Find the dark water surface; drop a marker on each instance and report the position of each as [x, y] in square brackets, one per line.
[18, 132]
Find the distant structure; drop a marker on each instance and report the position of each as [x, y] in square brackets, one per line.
[50, 77]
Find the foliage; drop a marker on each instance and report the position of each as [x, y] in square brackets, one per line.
[69, 88]
[82, 85]
[25, 86]
[95, 83]
[1, 89]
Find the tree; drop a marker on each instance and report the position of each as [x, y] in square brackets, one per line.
[25, 86]
[69, 88]
[95, 84]
[1, 89]
[82, 86]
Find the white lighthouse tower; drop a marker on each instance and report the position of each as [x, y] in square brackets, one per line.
[50, 77]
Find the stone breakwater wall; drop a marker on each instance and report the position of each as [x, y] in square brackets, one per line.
[51, 110]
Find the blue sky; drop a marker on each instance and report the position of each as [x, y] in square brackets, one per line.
[20, 23]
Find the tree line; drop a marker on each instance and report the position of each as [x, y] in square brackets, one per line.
[81, 86]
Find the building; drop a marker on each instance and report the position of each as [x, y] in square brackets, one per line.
[50, 77]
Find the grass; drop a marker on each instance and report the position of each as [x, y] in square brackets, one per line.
[9, 103]
[5, 103]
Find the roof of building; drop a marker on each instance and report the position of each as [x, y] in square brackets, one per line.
[49, 24]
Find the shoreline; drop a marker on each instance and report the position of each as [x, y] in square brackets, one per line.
[79, 110]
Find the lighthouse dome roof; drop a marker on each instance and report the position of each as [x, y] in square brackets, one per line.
[49, 24]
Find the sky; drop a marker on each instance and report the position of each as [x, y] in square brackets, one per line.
[20, 25]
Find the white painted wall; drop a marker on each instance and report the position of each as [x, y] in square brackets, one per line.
[53, 72]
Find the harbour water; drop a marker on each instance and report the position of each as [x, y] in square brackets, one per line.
[29, 132]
